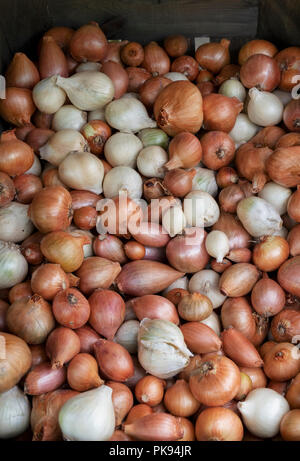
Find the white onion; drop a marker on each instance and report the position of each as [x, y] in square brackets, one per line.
[88, 416]
[82, 171]
[213, 321]
[284, 96]
[162, 351]
[89, 66]
[175, 76]
[128, 115]
[201, 209]
[13, 265]
[15, 225]
[69, 118]
[258, 216]
[183, 283]
[205, 180]
[127, 335]
[243, 130]
[264, 108]
[98, 114]
[36, 167]
[47, 97]
[131, 95]
[88, 90]
[283, 232]
[206, 282]
[276, 195]
[217, 245]
[174, 221]
[123, 178]
[262, 412]
[61, 144]
[233, 88]
[14, 413]
[151, 160]
[122, 149]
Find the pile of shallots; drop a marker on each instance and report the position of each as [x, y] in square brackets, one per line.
[150, 241]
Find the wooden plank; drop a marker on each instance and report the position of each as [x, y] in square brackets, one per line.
[279, 22]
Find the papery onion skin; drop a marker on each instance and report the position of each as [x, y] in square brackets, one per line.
[118, 75]
[110, 247]
[82, 373]
[70, 308]
[250, 162]
[43, 378]
[89, 44]
[22, 73]
[154, 307]
[289, 276]
[27, 186]
[16, 362]
[151, 89]
[157, 426]
[17, 107]
[293, 240]
[200, 338]
[88, 337]
[294, 205]
[239, 279]
[51, 210]
[96, 272]
[237, 312]
[132, 54]
[282, 362]
[140, 278]
[283, 166]
[52, 60]
[240, 349]
[185, 151]
[44, 416]
[267, 297]
[270, 253]
[226, 176]
[260, 71]
[187, 65]
[107, 312]
[156, 61]
[114, 361]
[285, 325]
[215, 381]
[179, 400]
[7, 189]
[31, 319]
[237, 235]
[175, 113]
[64, 249]
[257, 376]
[256, 47]
[218, 149]
[48, 279]
[289, 426]
[187, 253]
[293, 394]
[16, 157]
[289, 63]
[62, 36]
[213, 56]
[220, 112]
[219, 424]
[137, 77]
[176, 45]
[62, 345]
